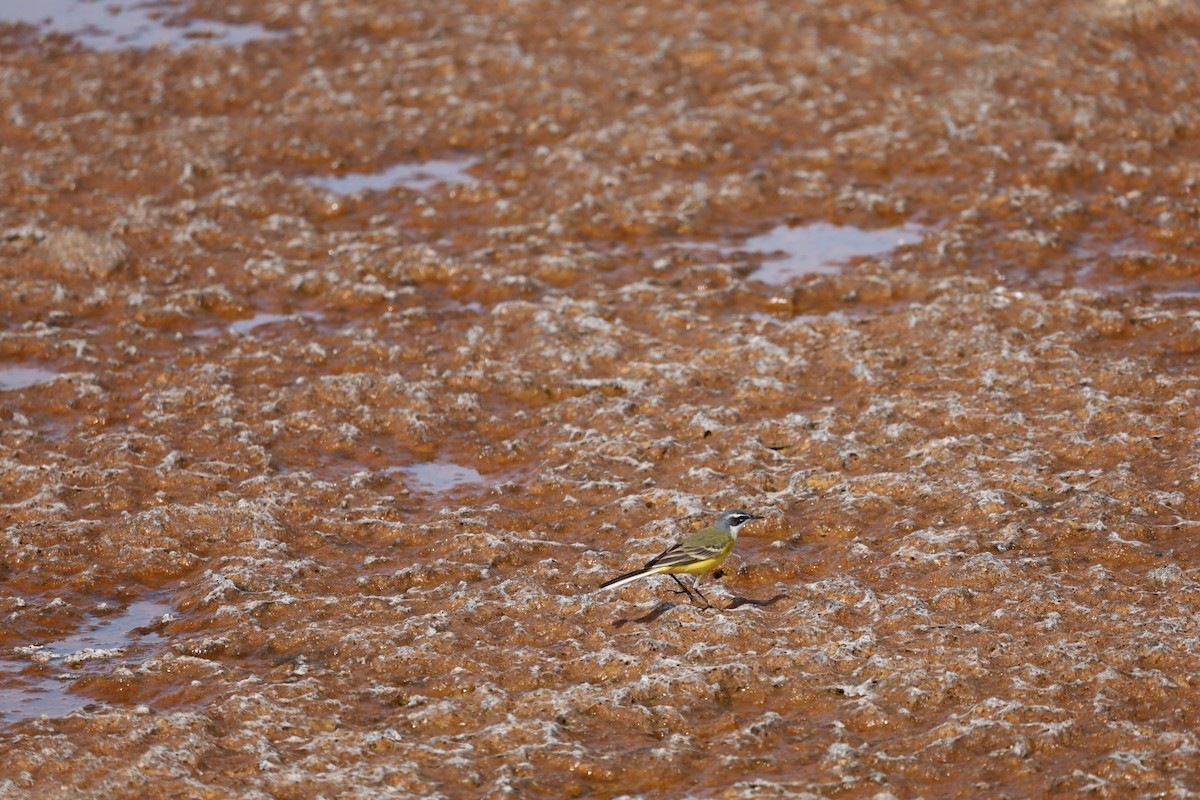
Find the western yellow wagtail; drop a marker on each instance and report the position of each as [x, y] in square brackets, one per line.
[697, 554]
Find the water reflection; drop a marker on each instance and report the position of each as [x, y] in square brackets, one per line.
[439, 476]
[260, 319]
[35, 680]
[20, 377]
[420, 177]
[116, 25]
[264, 318]
[822, 248]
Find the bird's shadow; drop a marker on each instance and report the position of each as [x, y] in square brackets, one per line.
[750, 601]
[665, 606]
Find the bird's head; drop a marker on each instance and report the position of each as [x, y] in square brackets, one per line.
[732, 521]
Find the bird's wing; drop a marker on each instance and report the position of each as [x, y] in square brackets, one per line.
[700, 546]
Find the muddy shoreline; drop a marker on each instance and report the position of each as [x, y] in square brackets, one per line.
[306, 484]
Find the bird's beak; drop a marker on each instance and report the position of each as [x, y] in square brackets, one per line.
[754, 517]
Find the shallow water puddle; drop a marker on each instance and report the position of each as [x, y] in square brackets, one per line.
[822, 248]
[421, 177]
[263, 318]
[20, 377]
[439, 476]
[260, 319]
[115, 25]
[113, 639]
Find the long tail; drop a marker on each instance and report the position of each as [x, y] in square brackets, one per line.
[628, 577]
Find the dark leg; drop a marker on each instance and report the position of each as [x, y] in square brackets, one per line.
[682, 586]
[689, 592]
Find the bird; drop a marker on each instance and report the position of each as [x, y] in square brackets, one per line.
[696, 554]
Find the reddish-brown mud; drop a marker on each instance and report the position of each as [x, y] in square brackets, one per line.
[304, 494]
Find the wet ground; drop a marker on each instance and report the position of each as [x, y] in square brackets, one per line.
[345, 347]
